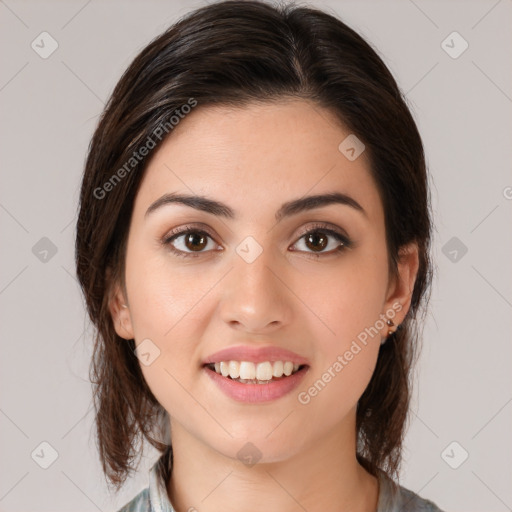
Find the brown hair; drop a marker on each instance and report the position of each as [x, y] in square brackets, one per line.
[232, 53]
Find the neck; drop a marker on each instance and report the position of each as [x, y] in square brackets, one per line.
[312, 478]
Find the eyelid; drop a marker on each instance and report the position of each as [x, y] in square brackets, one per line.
[201, 228]
[327, 227]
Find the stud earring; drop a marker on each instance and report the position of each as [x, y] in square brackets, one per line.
[390, 323]
[124, 305]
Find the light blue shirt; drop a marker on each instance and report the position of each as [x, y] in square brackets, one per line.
[392, 497]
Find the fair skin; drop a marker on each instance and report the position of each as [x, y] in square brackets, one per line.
[310, 300]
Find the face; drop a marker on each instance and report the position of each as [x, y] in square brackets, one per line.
[260, 273]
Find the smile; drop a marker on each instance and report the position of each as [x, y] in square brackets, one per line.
[245, 381]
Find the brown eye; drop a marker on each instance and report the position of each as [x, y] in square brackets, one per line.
[196, 241]
[316, 241]
[320, 241]
[189, 242]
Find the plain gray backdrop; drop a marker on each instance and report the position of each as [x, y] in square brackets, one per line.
[458, 446]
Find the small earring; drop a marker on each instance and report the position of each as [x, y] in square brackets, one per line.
[391, 324]
[124, 305]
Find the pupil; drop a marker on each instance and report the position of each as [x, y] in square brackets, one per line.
[195, 239]
[319, 236]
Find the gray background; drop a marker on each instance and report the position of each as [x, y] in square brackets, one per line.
[49, 108]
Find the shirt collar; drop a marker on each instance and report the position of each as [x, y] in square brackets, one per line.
[158, 478]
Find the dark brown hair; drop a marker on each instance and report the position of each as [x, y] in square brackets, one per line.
[232, 53]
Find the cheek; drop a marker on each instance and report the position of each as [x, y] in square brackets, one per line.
[346, 357]
[349, 303]
[171, 306]
[167, 308]
[347, 299]
[162, 297]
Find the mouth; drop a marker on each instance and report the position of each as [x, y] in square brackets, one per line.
[248, 372]
[253, 375]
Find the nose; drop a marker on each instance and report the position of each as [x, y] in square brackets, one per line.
[256, 297]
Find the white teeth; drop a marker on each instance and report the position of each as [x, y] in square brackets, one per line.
[264, 371]
[249, 371]
[278, 369]
[224, 368]
[234, 369]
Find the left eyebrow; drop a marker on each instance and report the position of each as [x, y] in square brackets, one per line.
[288, 209]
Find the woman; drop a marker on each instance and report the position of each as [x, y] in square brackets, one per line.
[253, 246]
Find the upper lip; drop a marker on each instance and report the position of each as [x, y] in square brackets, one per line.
[255, 355]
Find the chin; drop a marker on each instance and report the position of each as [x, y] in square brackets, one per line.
[255, 447]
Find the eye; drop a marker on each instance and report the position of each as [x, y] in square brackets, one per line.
[191, 242]
[188, 240]
[316, 241]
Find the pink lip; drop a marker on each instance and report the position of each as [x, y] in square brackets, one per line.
[256, 393]
[255, 355]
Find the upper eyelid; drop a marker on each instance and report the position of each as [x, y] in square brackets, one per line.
[186, 229]
[328, 226]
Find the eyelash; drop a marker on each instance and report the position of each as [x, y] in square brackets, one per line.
[323, 228]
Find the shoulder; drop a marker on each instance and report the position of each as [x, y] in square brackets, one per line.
[139, 503]
[395, 498]
[411, 502]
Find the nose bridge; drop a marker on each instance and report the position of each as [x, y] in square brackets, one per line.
[254, 297]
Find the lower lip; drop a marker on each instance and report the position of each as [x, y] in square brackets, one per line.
[257, 393]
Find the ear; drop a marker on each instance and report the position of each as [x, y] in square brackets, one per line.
[399, 293]
[120, 312]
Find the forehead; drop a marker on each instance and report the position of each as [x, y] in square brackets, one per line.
[258, 154]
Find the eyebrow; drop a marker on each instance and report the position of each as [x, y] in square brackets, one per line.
[288, 209]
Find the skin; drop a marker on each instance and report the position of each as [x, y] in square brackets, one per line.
[254, 159]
